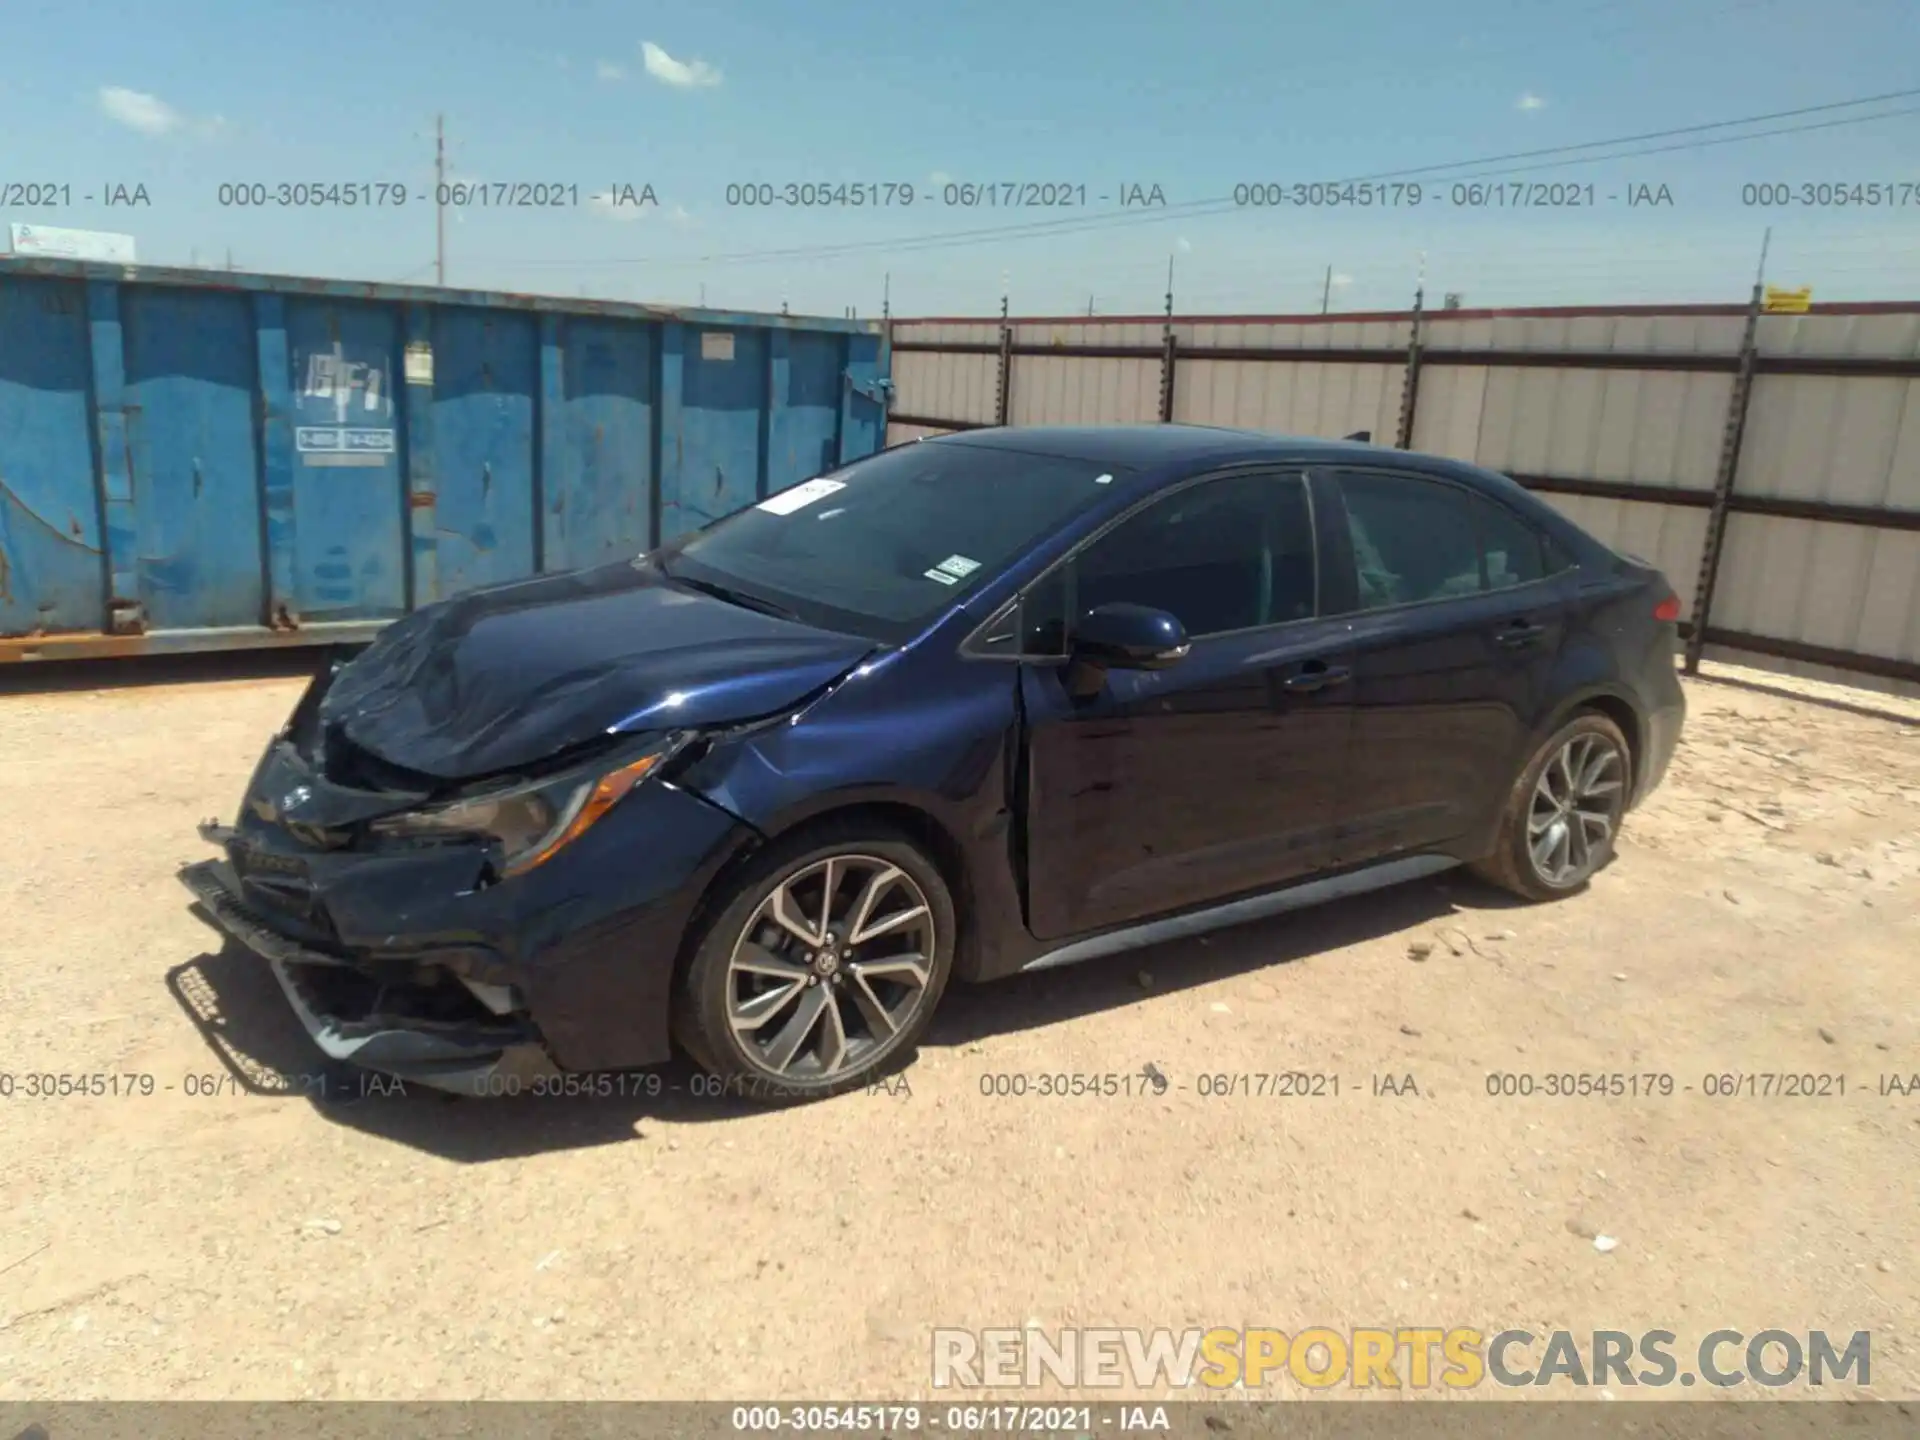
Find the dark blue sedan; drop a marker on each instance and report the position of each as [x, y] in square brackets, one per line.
[971, 706]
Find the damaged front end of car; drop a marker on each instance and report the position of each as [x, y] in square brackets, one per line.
[374, 895]
[466, 855]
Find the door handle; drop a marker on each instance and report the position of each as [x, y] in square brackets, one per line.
[1520, 634]
[1317, 676]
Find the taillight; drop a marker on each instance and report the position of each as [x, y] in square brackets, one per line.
[1668, 609]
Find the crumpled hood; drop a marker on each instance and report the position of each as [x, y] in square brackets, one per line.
[507, 676]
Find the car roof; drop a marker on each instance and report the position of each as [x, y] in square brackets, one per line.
[1159, 447]
[1148, 456]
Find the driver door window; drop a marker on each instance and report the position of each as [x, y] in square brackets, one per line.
[1231, 554]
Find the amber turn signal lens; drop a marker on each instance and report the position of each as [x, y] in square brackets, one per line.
[608, 792]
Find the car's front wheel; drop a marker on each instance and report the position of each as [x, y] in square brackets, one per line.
[818, 966]
[1564, 813]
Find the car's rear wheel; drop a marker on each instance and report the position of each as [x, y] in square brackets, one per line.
[1564, 813]
[819, 966]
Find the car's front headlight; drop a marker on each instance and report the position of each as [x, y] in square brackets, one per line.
[535, 821]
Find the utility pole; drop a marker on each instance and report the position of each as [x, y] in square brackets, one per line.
[703, 296]
[1326, 291]
[440, 200]
[1090, 307]
[886, 296]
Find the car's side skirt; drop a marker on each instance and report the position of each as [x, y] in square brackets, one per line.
[1236, 912]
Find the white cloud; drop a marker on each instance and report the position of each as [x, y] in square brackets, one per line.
[1340, 281]
[939, 178]
[624, 209]
[607, 70]
[682, 74]
[1185, 245]
[608, 208]
[148, 114]
[1529, 101]
[151, 115]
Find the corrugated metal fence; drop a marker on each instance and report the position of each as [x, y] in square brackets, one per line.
[1770, 464]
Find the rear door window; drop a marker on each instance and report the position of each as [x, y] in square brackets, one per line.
[1516, 552]
[1417, 540]
[1413, 540]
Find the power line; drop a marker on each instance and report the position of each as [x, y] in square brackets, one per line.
[1572, 155]
[1203, 208]
[1694, 144]
[1665, 135]
[1208, 208]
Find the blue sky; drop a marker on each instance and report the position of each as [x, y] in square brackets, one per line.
[1197, 97]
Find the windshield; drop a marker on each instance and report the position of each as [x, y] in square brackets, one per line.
[882, 546]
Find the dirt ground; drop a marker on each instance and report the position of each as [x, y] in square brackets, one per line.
[205, 1242]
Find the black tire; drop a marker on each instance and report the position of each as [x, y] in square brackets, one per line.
[1512, 865]
[703, 1002]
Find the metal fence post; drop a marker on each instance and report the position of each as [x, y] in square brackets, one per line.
[1169, 354]
[1003, 400]
[1410, 384]
[1723, 483]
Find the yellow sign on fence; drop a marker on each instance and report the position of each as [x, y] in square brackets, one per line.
[1788, 302]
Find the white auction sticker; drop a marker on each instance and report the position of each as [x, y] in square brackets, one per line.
[942, 577]
[800, 496]
[958, 566]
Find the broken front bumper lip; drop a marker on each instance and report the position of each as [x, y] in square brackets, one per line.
[215, 886]
[462, 1058]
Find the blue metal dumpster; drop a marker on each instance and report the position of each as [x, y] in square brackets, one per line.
[192, 461]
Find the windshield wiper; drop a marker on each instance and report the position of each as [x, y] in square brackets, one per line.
[732, 596]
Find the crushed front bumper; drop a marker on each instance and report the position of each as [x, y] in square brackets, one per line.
[412, 1017]
[417, 962]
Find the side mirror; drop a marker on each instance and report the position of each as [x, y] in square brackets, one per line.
[1129, 637]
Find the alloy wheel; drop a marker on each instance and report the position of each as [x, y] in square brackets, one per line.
[831, 968]
[1576, 805]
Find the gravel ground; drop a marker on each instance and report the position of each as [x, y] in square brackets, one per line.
[203, 1242]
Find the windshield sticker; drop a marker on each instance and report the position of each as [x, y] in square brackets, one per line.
[800, 496]
[958, 566]
[942, 577]
[1103, 479]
